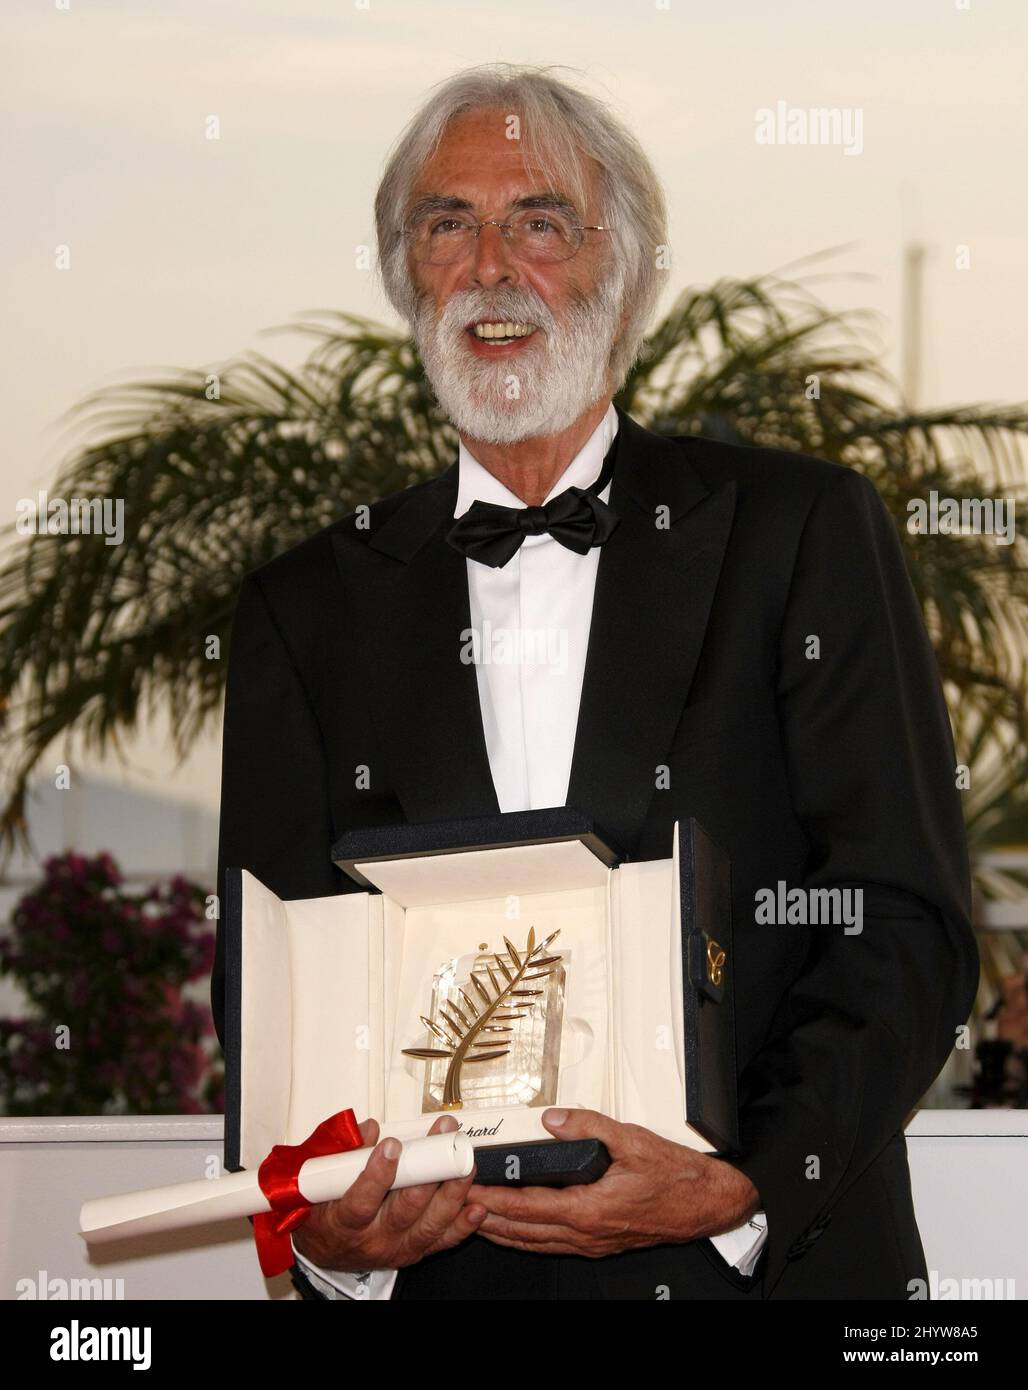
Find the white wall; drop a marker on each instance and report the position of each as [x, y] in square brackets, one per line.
[48, 1168]
[969, 1176]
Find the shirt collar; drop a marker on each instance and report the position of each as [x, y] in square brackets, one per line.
[476, 483]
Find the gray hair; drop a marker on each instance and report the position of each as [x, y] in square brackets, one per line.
[561, 127]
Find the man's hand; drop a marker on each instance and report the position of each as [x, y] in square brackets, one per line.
[654, 1193]
[370, 1227]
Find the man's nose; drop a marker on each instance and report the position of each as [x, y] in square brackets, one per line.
[492, 262]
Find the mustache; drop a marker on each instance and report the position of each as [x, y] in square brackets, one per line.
[517, 306]
[511, 305]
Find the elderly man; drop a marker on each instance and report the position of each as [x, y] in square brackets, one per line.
[739, 642]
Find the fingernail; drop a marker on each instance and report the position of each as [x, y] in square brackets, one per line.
[391, 1149]
[555, 1117]
[476, 1215]
[447, 1123]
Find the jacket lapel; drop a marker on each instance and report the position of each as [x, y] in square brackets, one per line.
[407, 592]
[655, 585]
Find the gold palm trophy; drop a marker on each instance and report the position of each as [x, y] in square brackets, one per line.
[505, 1020]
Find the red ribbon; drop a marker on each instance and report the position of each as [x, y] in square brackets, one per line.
[278, 1177]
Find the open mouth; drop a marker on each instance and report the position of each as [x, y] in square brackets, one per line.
[500, 332]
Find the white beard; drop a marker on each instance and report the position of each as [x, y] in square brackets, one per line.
[553, 380]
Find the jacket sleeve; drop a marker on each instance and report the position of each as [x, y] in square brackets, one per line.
[869, 1021]
[275, 815]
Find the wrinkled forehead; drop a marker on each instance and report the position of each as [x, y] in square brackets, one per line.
[492, 161]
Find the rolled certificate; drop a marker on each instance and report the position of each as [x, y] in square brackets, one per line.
[435, 1158]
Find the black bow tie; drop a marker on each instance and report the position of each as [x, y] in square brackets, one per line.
[576, 517]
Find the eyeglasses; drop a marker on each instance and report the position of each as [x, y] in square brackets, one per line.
[537, 237]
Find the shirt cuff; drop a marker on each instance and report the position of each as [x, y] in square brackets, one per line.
[376, 1285]
[741, 1248]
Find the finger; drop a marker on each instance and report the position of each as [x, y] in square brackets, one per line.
[557, 1206]
[464, 1224]
[360, 1205]
[401, 1208]
[445, 1124]
[533, 1233]
[369, 1133]
[588, 1124]
[404, 1206]
[438, 1215]
[447, 1202]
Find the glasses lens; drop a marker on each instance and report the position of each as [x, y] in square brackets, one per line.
[532, 235]
[443, 239]
[544, 236]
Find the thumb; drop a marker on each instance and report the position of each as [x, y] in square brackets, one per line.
[585, 1124]
[369, 1133]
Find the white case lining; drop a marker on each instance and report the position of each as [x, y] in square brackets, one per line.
[363, 965]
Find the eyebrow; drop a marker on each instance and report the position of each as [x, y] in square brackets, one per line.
[442, 202]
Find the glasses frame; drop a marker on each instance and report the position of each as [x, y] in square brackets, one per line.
[506, 230]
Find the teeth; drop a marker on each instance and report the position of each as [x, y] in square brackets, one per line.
[503, 330]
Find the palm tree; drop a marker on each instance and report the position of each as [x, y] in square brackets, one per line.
[221, 471]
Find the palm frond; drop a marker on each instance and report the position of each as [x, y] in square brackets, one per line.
[466, 1048]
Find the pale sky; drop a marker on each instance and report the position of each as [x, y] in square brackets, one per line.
[183, 249]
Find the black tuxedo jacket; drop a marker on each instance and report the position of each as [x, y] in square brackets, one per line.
[755, 634]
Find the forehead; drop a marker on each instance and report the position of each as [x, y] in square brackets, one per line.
[476, 160]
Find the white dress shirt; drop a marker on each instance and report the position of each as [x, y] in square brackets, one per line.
[532, 620]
